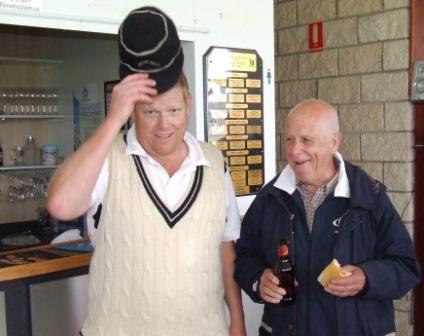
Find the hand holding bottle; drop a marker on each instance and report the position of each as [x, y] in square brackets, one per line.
[268, 289]
[277, 285]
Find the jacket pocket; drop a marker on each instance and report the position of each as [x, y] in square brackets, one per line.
[367, 316]
[357, 317]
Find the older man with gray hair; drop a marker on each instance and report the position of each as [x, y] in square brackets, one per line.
[325, 208]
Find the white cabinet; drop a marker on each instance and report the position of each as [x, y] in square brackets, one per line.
[58, 307]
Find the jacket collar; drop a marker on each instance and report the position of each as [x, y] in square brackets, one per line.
[286, 181]
[364, 189]
[353, 183]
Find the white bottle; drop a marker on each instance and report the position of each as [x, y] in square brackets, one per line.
[30, 151]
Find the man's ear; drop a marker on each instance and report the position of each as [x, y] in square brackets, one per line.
[337, 140]
[188, 101]
[132, 115]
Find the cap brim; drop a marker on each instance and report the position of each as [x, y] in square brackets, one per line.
[165, 79]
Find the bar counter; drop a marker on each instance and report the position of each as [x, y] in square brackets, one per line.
[19, 269]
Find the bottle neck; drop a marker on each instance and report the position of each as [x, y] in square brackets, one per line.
[283, 250]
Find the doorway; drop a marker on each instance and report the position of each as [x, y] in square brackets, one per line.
[417, 53]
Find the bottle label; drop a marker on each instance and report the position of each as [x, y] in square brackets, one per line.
[49, 155]
[283, 250]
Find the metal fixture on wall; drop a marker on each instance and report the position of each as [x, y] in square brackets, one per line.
[417, 88]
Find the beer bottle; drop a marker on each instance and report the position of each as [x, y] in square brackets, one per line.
[284, 271]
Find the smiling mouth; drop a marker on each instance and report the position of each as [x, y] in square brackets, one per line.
[164, 136]
[300, 162]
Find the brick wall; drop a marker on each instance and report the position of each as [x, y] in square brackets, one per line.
[363, 71]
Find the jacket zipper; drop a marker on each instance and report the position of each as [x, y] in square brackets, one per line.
[337, 223]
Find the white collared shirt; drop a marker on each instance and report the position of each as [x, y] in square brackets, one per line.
[171, 190]
[287, 180]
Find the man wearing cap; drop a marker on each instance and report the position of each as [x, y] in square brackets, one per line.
[164, 253]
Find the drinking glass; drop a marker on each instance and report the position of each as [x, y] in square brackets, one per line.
[17, 155]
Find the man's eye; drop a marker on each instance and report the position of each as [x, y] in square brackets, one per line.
[174, 110]
[151, 112]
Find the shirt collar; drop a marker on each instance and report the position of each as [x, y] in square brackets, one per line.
[287, 180]
[195, 154]
[325, 189]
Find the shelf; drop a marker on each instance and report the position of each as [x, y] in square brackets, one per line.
[31, 116]
[36, 167]
[32, 61]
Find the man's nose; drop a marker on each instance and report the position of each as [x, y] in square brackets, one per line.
[163, 120]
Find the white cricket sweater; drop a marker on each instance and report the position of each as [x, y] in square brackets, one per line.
[157, 272]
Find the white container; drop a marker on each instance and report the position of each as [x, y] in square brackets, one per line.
[49, 155]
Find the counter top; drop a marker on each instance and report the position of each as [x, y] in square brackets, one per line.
[45, 259]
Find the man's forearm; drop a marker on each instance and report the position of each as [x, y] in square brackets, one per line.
[72, 184]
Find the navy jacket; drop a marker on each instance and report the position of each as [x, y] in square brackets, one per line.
[364, 230]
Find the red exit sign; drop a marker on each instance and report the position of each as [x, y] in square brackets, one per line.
[316, 36]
